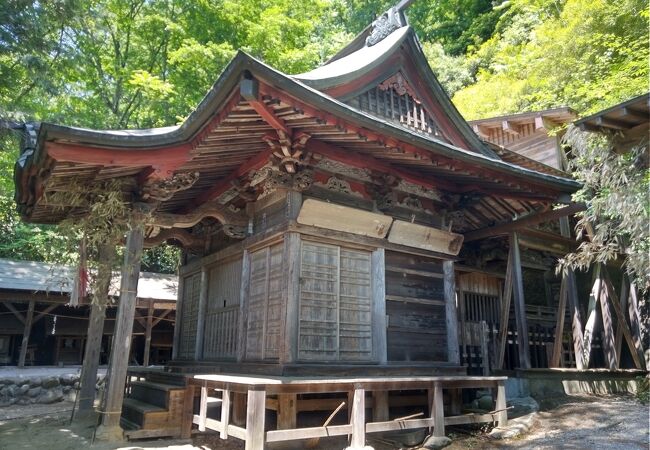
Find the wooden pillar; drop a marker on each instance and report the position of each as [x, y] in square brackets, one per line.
[188, 412]
[437, 411]
[287, 411]
[203, 408]
[635, 322]
[520, 304]
[225, 413]
[238, 409]
[147, 334]
[121, 348]
[574, 306]
[505, 312]
[178, 318]
[26, 331]
[243, 305]
[200, 325]
[255, 413]
[609, 347]
[95, 333]
[556, 357]
[358, 420]
[380, 349]
[380, 406]
[292, 283]
[500, 407]
[590, 326]
[451, 316]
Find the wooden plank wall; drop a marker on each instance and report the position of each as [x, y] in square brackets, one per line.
[531, 143]
[266, 304]
[222, 316]
[415, 308]
[189, 312]
[335, 304]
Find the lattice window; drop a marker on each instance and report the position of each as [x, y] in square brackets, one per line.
[335, 304]
[396, 101]
[189, 315]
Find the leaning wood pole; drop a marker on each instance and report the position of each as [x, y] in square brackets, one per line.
[110, 429]
[95, 333]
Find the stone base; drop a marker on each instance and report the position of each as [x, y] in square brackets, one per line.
[110, 434]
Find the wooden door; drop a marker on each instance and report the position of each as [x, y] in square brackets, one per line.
[189, 315]
[335, 306]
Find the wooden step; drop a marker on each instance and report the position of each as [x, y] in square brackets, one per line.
[136, 411]
[154, 393]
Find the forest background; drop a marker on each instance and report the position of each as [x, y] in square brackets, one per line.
[113, 64]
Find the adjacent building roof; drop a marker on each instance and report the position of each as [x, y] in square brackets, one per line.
[623, 116]
[33, 276]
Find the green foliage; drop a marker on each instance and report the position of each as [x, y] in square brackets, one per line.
[161, 259]
[586, 54]
[643, 390]
[615, 189]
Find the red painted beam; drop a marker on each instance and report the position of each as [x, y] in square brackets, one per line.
[249, 89]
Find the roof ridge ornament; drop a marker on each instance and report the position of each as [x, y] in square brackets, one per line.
[384, 25]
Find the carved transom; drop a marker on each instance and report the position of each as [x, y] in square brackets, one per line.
[164, 189]
[398, 83]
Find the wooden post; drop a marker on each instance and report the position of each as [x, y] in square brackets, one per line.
[255, 413]
[437, 411]
[520, 304]
[203, 408]
[92, 351]
[451, 315]
[147, 334]
[188, 412]
[243, 305]
[635, 322]
[609, 347]
[500, 407]
[287, 410]
[380, 406]
[505, 312]
[178, 318]
[556, 357]
[26, 331]
[358, 420]
[590, 326]
[380, 349]
[121, 349]
[225, 413]
[200, 325]
[238, 409]
[574, 307]
[619, 330]
[292, 283]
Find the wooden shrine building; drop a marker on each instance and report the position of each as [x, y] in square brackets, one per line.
[322, 218]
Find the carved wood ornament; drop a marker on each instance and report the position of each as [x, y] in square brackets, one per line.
[288, 151]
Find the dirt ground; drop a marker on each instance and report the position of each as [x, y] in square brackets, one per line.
[575, 423]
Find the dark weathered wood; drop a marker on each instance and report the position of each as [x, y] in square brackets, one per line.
[505, 312]
[15, 312]
[123, 327]
[574, 306]
[451, 316]
[243, 304]
[500, 407]
[188, 412]
[88, 381]
[238, 408]
[609, 347]
[287, 411]
[520, 304]
[635, 321]
[200, 325]
[43, 313]
[292, 283]
[147, 335]
[179, 318]
[255, 413]
[559, 325]
[380, 351]
[622, 323]
[619, 331]
[527, 221]
[27, 331]
[380, 406]
[590, 326]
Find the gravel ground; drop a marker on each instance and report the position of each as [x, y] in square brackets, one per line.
[574, 423]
